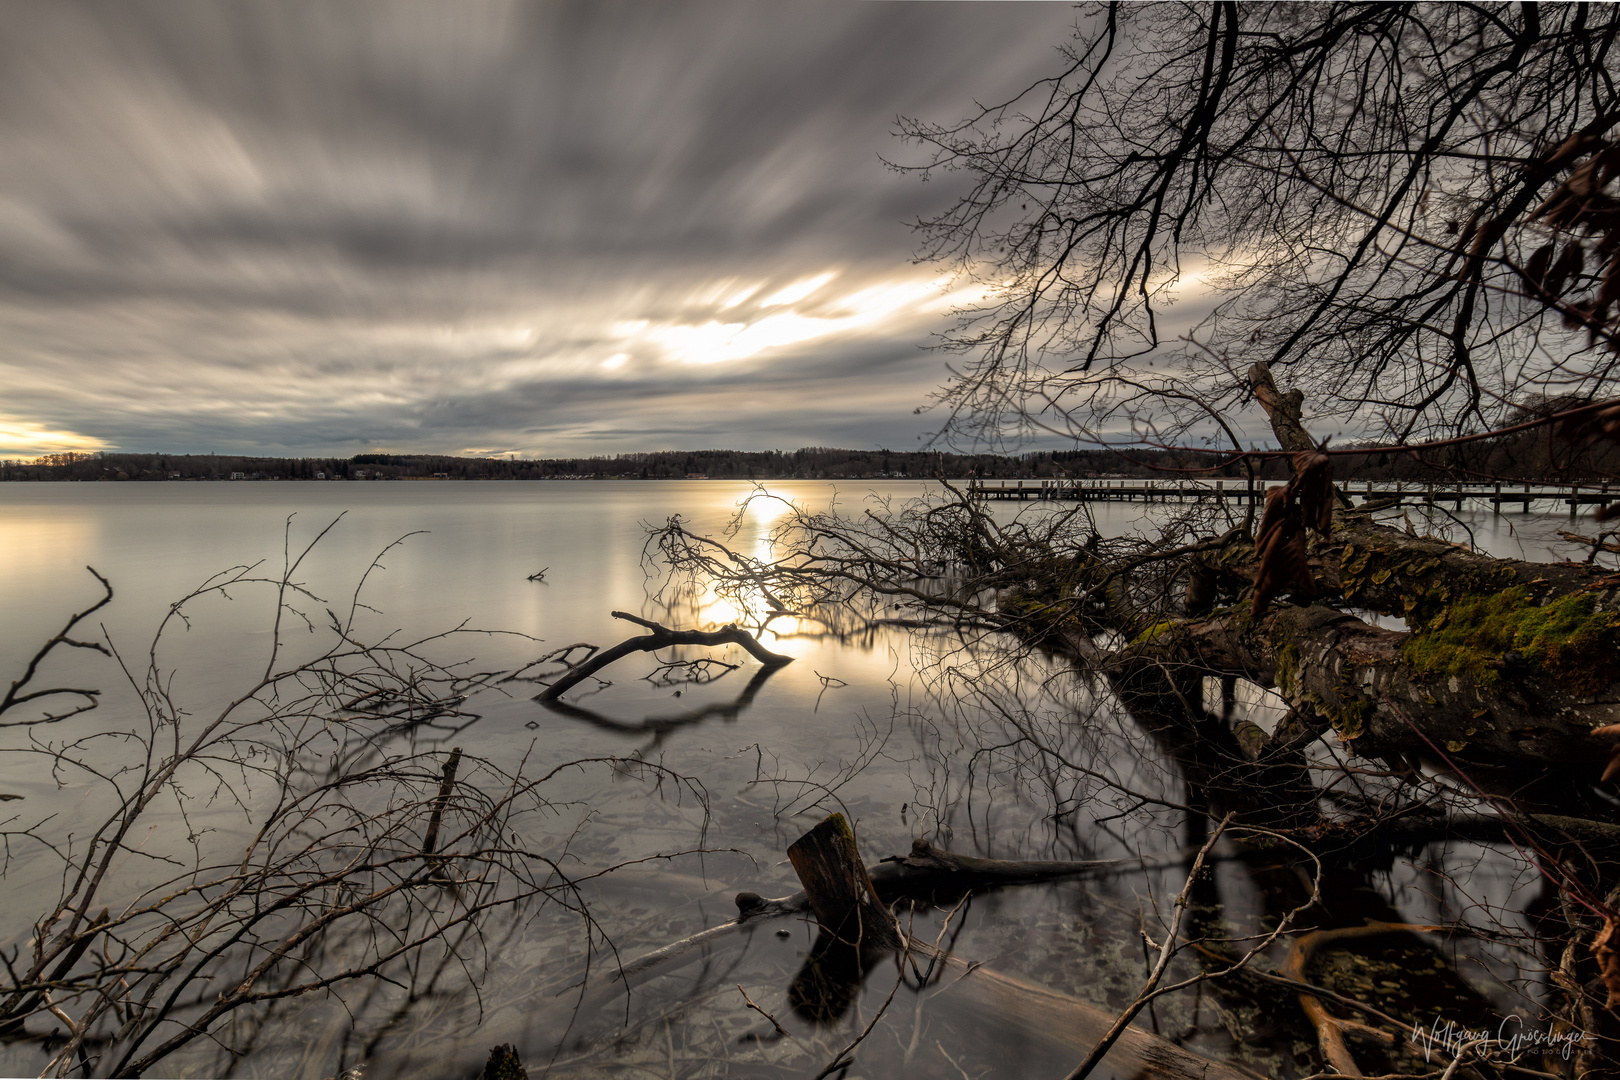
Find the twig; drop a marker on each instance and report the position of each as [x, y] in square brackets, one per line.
[1166, 951]
[1329, 1028]
[780, 1030]
[446, 785]
[844, 1058]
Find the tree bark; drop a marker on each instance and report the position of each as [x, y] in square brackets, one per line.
[840, 892]
[1356, 677]
[1282, 409]
[1370, 683]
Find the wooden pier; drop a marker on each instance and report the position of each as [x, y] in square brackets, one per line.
[1524, 496]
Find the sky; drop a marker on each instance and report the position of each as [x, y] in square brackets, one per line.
[548, 230]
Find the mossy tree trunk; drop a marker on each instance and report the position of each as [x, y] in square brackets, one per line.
[1491, 690]
[1502, 662]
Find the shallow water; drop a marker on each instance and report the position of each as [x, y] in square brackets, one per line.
[875, 728]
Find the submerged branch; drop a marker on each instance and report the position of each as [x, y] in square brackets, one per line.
[661, 637]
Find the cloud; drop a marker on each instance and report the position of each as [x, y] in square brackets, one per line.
[316, 228]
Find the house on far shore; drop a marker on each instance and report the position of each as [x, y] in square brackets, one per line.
[238, 476]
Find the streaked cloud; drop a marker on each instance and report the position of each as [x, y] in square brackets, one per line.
[551, 228]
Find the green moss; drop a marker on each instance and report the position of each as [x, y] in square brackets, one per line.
[1287, 669]
[1038, 619]
[1158, 629]
[1287, 653]
[1566, 639]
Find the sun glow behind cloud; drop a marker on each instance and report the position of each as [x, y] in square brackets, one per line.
[811, 315]
[677, 239]
[797, 291]
[23, 439]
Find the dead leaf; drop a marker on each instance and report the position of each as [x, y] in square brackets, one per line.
[1612, 769]
[1304, 502]
[1283, 561]
[1608, 958]
[1313, 487]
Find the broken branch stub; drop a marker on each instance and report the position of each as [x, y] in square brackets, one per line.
[661, 637]
[1283, 410]
[840, 891]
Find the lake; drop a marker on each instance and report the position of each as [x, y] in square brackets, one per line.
[891, 728]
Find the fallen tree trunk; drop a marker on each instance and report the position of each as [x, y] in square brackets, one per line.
[1506, 661]
[1369, 683]
[1394, 572]
[1503, 661]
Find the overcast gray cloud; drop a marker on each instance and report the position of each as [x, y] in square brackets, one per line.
[544, 228]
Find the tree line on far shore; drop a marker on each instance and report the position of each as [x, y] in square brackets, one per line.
[1527, 455]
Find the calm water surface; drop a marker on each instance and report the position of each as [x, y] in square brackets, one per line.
[858, 726]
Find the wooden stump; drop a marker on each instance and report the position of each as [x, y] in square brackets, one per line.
[840, 891]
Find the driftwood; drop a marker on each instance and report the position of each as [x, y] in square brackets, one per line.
[661, 637]
[924, 874]
[1051, 1025]
[930, 872]
[660, 725]
[1040, 1020]
[1330, 1030]
[857, 928]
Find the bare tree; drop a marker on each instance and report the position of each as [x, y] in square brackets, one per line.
[1360, 191]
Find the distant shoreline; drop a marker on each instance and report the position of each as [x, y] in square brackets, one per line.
[1513, 459]
[813, 463]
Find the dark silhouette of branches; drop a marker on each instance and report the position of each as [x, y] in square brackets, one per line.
[354, 864]
[1365, 193]
[658, 637]
[19, 694]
